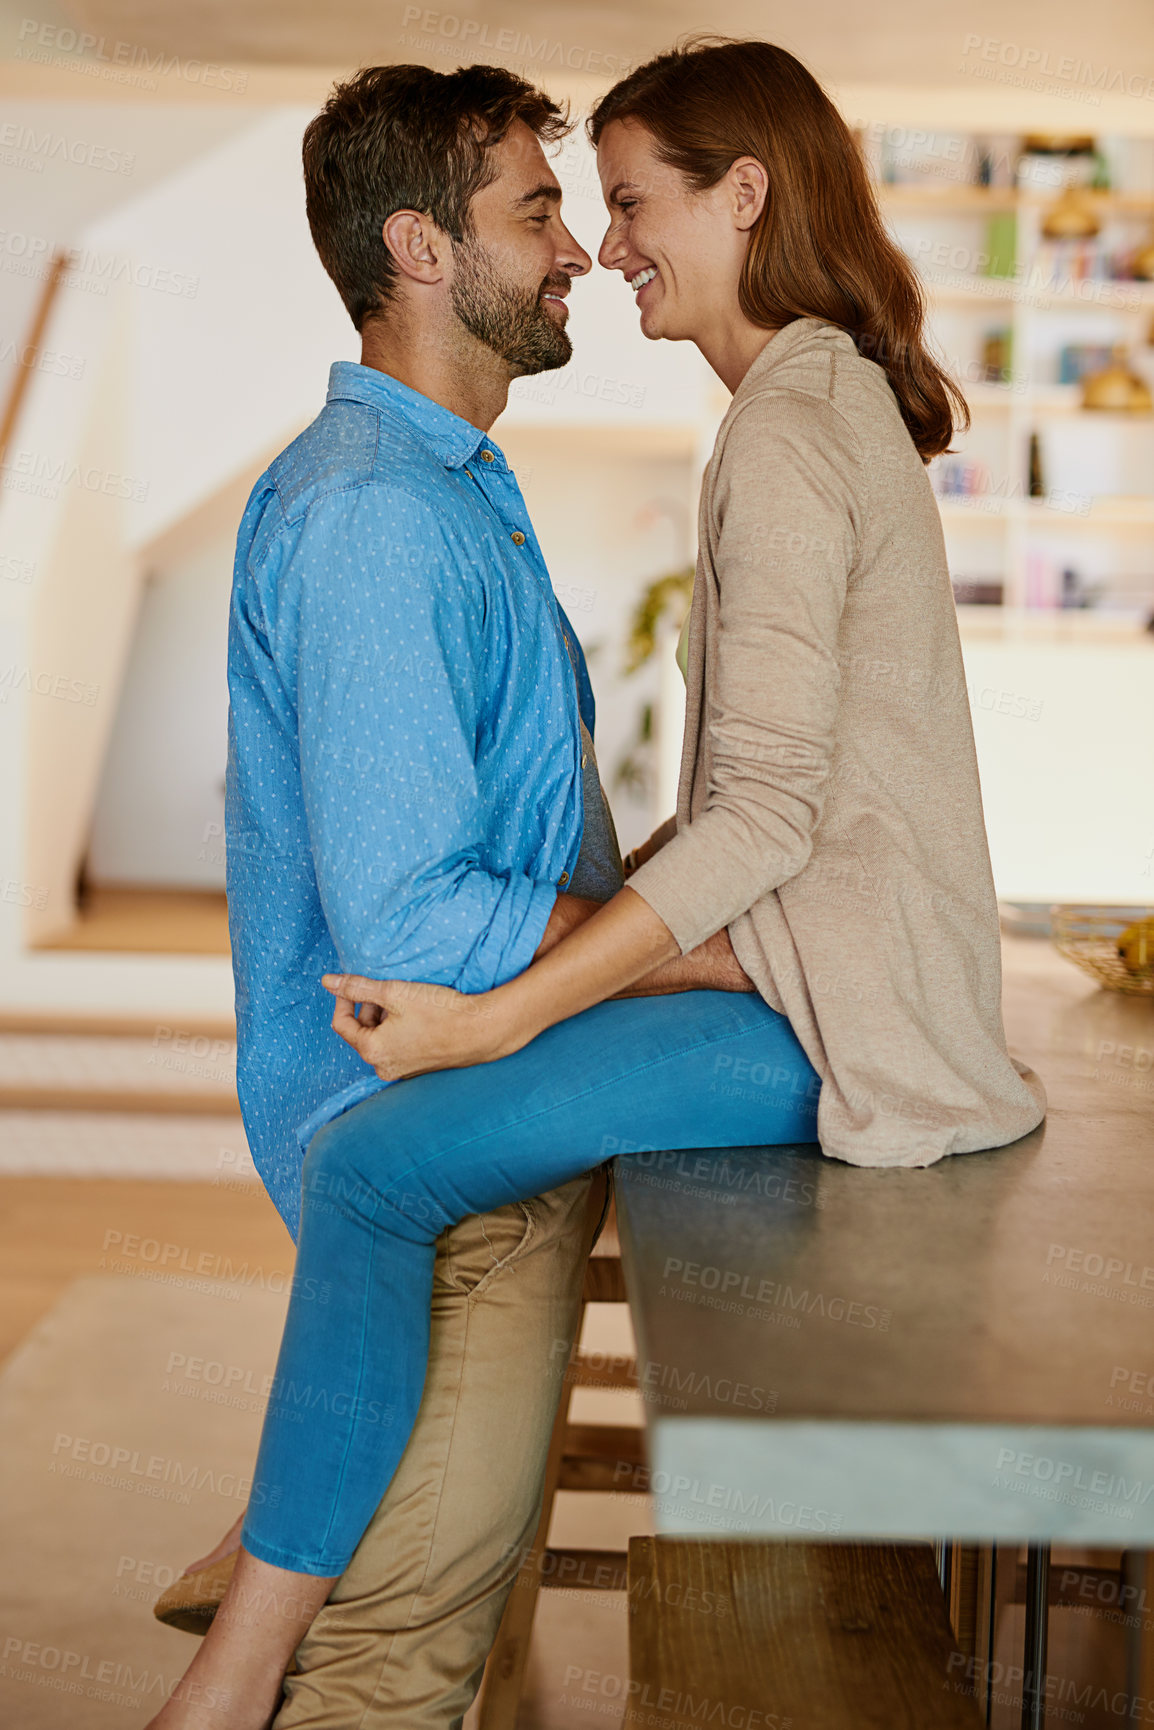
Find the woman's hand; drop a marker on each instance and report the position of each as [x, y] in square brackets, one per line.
[416, 1027]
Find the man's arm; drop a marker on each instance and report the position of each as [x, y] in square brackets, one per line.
[390, 656]
[712, 966]
[569, 911]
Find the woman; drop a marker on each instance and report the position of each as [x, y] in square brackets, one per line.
[829, 818]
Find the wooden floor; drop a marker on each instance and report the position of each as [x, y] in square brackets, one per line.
[52, 1230]
[169, 921]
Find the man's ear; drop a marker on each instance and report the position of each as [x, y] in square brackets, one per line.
[417, 246]
[750, 187]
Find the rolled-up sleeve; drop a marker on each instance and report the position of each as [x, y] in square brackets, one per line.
[389, 647]
[784, 537]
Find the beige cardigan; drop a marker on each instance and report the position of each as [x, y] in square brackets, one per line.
[829, 811]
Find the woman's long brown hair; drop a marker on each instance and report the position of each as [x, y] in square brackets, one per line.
[819, 248]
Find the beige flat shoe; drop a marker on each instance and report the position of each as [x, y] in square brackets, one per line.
[191, 1602]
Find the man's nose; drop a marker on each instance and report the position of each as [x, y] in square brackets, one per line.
[572, 258]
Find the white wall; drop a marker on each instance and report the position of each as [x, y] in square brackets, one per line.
[159, 810]
[66, 629]
[607, 529]
[239, 364]
[68, 165]
[67, 601]
[1063, 713]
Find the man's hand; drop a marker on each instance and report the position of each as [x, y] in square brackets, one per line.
[712, 966]
[412, 1028]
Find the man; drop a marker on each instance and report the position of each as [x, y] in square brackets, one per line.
[413, 792]
[409, 708]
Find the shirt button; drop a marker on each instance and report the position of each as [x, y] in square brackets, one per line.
[518, 538]
[563, 879]
[486, 456]
[584, 759]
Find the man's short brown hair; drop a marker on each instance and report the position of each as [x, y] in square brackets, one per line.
[406, 138]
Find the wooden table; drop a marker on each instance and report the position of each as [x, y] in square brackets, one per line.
[964, 1352]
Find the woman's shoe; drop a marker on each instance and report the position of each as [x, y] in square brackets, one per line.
[191, 1602]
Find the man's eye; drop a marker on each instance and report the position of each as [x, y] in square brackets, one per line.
[548, 216]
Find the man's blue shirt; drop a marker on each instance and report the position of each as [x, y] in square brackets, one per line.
[403, 795]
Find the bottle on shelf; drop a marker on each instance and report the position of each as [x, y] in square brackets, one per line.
[996, 353]
[1036, 485]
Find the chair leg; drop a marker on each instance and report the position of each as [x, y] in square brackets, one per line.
[1037, 1627]
[505, 1670]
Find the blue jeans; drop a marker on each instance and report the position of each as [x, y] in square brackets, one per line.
[695, 1069]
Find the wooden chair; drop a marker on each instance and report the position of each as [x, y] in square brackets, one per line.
[581, 1457]
[827, 1622]
[845, 1636]
[981, 1581]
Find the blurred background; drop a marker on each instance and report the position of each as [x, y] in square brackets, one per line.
[165, 329]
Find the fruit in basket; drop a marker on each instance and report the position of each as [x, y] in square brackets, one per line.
[1136, 947]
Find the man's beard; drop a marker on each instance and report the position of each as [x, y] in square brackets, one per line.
[512, 321]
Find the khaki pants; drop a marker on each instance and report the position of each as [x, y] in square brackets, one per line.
[403, 1640]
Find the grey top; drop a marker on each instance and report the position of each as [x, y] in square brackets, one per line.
[598, 873]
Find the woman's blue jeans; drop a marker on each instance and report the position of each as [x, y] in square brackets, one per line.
[695, 1069]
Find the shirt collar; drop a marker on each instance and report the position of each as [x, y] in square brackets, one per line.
[452, 440]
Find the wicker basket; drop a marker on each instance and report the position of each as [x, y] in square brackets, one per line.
[1088, 936]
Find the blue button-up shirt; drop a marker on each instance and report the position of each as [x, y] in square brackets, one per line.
[404, 785]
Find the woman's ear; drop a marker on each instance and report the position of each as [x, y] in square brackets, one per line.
[749, 184]
[416, 245]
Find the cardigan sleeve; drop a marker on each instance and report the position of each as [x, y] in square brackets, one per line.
[784, 529]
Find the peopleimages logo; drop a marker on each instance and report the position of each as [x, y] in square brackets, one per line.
[42, 475]
[1033, 63]
[124, 62]
[1097, 1483]
[96, 1678]
[130, 1468]
[1108, 1268]
[22, 146]
[477, 34]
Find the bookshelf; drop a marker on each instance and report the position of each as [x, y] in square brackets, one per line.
[1082, 534]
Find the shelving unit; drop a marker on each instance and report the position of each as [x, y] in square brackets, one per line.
[1096, 516]
[988, 199]
[1107, 511]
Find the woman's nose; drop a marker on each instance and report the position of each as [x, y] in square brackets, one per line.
[612, 249]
